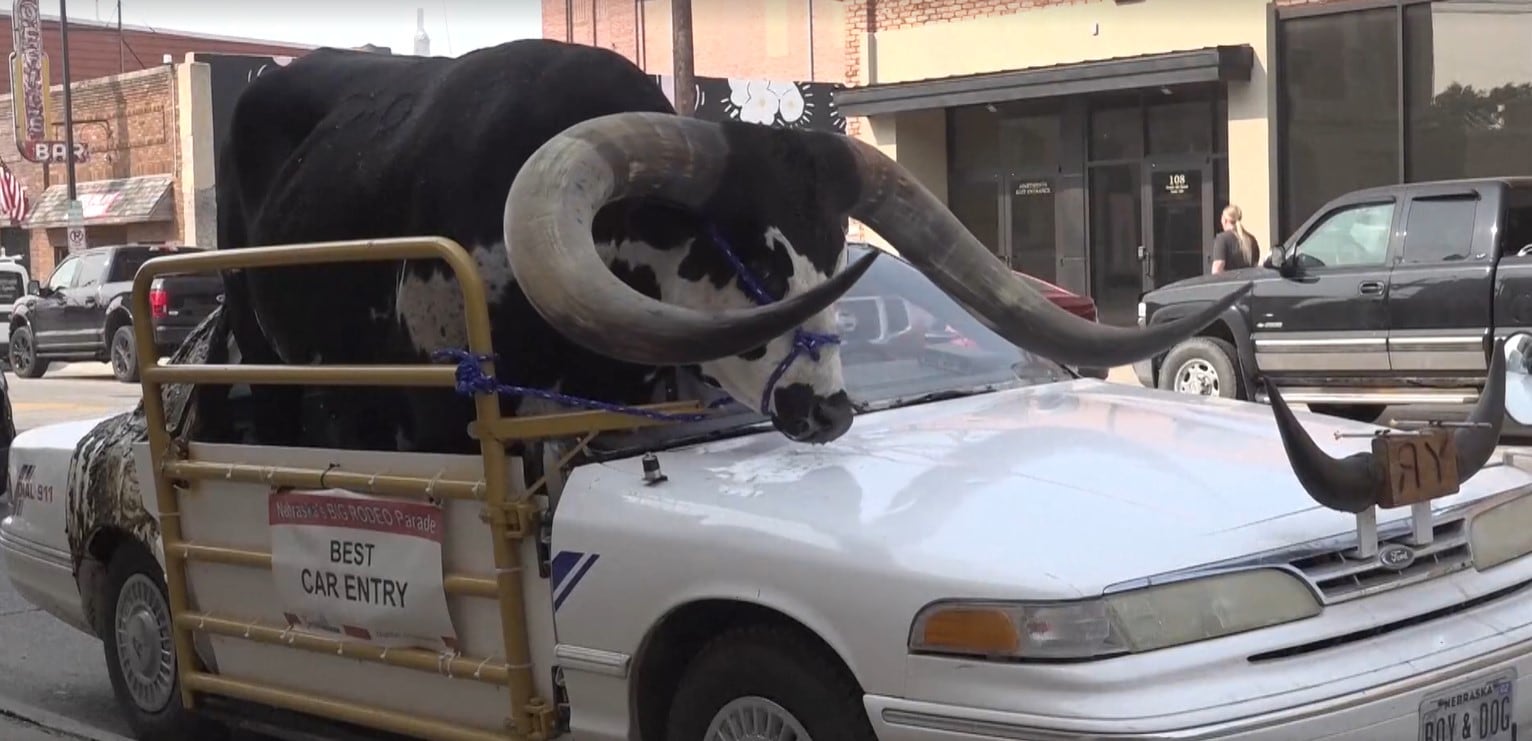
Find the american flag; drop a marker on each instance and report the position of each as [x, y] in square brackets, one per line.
[13, 196]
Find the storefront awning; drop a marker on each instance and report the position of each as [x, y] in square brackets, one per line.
[120, 201]
[1211, 64]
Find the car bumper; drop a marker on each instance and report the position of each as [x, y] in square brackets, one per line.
[1386, 712]
[168, 339]
[42, 576]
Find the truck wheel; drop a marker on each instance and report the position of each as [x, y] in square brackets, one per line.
[1203, 366]
[24, 358]
[1365, 413]
[140, 655]
[124, 356]
[768, 683]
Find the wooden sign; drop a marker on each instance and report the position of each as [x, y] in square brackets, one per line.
[1419, 466]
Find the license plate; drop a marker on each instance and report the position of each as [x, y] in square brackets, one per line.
[1476, 710]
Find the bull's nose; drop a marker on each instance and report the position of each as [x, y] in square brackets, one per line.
[807, 418]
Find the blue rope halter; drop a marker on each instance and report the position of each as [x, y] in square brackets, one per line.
[471, 379]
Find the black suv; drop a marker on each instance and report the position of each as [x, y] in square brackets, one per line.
[82, 312]
[1385, 296]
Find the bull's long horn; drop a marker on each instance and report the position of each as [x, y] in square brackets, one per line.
[548, 216]
[898, 207]
[1353, 483]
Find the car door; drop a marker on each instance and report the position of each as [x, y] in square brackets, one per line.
[1441, 290]
[50, 330]
[1328, 317]
[82, 307]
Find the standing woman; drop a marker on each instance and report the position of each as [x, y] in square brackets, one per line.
[1234, 248]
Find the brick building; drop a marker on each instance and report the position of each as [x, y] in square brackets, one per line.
[1094, 143]
[800, 40]
[149, 133]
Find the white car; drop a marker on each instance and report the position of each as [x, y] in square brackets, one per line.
[13, 285]
[995, 550]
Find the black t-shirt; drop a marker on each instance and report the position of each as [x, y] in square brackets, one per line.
[1226, 248]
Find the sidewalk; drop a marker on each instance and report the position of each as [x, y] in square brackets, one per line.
[1123, 374]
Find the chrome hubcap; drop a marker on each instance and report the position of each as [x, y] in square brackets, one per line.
[1197, 377]
[144, 651]
[755, 719]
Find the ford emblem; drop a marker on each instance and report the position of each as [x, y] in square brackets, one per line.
[1396, 557]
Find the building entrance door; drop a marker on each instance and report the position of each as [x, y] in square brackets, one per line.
[1116, 240]
[1177, 222]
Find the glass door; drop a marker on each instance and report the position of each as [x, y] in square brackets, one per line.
[1030, 213]
[1116, 241]
[1177, 233]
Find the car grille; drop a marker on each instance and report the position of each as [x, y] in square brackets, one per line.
[1339, 575]
[10, 288]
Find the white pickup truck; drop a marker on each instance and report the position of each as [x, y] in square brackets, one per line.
[997, 550]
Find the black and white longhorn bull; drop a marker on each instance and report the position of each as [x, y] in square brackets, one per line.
[603, 224]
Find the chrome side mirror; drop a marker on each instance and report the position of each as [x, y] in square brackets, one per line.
[1518, 378]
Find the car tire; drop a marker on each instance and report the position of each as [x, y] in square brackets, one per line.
[1364, 413]
[1204, 366]
[124, 355]
[767, 673]
[23, 352]
[140, 654]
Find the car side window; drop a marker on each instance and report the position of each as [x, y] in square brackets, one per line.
[63, 275]
[1440, 229]
[1349, 237]
[92, 268]
[1518, 223]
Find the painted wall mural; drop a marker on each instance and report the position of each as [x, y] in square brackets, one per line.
[787, 104]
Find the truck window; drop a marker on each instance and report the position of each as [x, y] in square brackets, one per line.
[1518, 222]
[91, 269]
[1439, 229]
[63, 275]
[1350, 236]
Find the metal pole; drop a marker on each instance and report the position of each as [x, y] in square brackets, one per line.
[685, 72]
[68, 102]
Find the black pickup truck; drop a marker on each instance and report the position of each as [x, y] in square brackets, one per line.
[83, 311]
[1389, 295]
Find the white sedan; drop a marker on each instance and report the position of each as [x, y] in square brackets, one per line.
[1031, 557]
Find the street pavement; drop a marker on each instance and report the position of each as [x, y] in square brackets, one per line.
[54, 676]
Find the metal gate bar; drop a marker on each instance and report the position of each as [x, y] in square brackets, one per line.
[531, 717]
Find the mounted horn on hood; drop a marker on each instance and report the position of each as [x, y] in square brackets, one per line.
[1359, 481]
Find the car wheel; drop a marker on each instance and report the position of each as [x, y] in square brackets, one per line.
[124, 356]
[1203, 366]
[1365, 413]
[767, 683]
[140, 654]
[24, 358]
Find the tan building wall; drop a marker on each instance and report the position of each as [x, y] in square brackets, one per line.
[919, 39]
[799, 40]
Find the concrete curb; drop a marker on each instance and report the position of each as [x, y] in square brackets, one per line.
[54, 722]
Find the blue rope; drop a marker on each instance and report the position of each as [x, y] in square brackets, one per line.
[472, 380]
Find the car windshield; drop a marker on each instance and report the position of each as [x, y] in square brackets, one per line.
[903, 341]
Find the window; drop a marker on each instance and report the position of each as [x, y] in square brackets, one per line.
[1117, 133]
[1439, 229]
[63, 275]
[1468, 73]
[1349, 237]
[1518, 221]
[974, 133]
[1340, 108]
[92, 267]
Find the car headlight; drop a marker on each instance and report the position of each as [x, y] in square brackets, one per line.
[1132, 621]
[1143, 313]
[1501, 533]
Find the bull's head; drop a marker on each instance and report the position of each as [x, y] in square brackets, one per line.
[778, 200]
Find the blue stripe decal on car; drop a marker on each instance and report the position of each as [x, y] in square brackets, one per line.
[561, 591]
[563, 562]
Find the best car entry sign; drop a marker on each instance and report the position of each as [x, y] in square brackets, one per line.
[363, 567]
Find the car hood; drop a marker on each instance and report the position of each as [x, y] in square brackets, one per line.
[1059, 490]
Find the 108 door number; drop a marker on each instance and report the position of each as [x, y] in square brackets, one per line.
[1479, 711]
